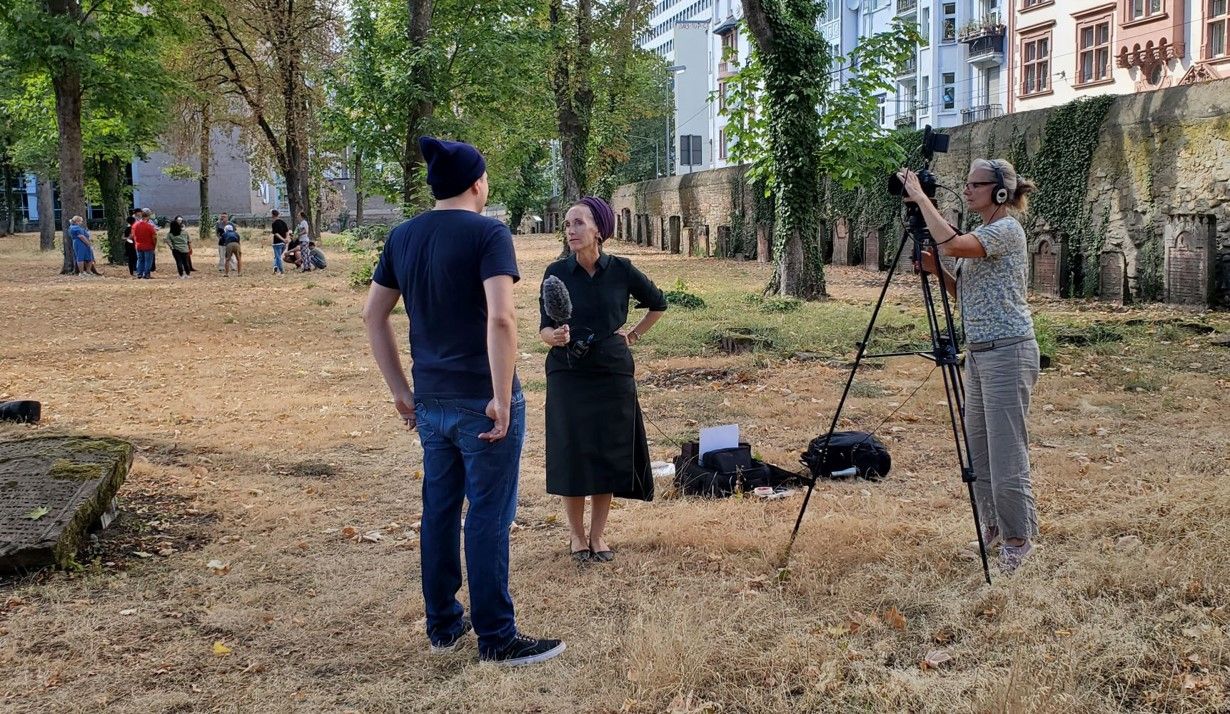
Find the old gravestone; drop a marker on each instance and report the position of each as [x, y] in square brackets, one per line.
[52, 489]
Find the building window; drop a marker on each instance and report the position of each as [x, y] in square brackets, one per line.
[1217, 34]
[881, 99]
[1143, 9]
[730, 46]
[721, 96]
[1036, 65]
[924, 96]
[689, 150]
[950, 90]
[1035, 3]
[1093, 50]
[950, 22]
[924, 26]
[722, 143]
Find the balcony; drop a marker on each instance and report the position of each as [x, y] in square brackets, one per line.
[986, 111]
[907, 115]
[908, 68]
[727, 69]
[905, 7]
[985, 42]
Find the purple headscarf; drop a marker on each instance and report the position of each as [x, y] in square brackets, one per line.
[604, 217]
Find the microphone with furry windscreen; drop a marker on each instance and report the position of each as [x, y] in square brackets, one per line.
[556, 301]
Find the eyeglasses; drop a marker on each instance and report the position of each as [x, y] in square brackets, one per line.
[975, 184]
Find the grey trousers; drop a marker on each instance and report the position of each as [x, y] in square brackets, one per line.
[998, 384]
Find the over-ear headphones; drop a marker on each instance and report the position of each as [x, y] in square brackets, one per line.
[1001, 195]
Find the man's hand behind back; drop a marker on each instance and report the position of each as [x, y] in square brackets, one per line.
[498, 413]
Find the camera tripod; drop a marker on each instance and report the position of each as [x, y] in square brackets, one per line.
[943, 353]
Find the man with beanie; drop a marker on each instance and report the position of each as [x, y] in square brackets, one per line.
[454, 269]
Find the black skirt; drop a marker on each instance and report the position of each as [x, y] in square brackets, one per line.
[595, 431]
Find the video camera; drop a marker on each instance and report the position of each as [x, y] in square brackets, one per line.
[932, 144]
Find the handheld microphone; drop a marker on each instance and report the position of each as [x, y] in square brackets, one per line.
[556, 301]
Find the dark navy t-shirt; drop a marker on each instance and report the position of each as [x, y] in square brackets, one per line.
[439, 260]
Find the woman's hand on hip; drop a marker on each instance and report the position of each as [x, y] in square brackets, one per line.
[556, 337]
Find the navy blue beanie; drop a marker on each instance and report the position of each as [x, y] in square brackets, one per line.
[452, 166]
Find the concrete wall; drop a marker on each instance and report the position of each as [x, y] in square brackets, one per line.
[231, 186]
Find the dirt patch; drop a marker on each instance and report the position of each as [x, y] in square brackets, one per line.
[714, 378]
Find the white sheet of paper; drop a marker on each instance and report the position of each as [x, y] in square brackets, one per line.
[719, 437]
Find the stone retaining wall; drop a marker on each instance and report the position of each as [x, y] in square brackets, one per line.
[1160, 176]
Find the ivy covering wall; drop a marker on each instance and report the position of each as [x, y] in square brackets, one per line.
[1068, 143]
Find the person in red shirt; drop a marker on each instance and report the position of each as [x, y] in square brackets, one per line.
[145, 237]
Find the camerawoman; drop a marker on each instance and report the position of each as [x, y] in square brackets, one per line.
[989, 278]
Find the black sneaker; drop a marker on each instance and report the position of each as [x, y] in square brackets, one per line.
[524, 650]
[450, 645]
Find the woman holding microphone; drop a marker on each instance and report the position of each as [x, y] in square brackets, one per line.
[595, 433]
[989, 278]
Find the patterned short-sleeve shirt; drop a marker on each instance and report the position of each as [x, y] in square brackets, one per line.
[992, 290]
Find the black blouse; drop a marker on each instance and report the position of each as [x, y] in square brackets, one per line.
[600, 303]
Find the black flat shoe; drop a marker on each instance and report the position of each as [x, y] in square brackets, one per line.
[602, 556]
[582, 556]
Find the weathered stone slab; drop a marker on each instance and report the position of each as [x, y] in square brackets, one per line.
[52, 489]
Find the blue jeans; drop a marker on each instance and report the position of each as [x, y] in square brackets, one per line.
[458, 465]
[145, 261]
[278, 250]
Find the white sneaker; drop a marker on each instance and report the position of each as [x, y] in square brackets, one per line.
[1011, 556]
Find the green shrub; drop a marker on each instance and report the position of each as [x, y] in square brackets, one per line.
[680, 296]
[687, 301]
[362, 239]
[1044, 331]
[361, 270]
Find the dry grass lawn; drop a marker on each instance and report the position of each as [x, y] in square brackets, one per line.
[265, 437]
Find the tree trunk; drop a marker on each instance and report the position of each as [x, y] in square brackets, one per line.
[790, 65]
[574, 97]
[421, 109]
[66, 81]
[10, 207]
[111, 185]
[46, 214]
[358, 188]
[205, 229]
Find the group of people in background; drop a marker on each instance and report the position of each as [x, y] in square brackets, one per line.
[141, 242]
[294, 251]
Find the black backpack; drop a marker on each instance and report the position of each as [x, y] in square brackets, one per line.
[722, 472]
[846, 449]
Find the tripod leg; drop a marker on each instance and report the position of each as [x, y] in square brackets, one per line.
[943, 340]
[858, 360]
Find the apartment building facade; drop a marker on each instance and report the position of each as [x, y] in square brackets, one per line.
[1064, 50]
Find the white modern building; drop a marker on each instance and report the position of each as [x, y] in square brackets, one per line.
[679, 33]
[728, 49]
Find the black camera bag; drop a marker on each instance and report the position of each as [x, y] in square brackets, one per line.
[723, 472]
[846, 449]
